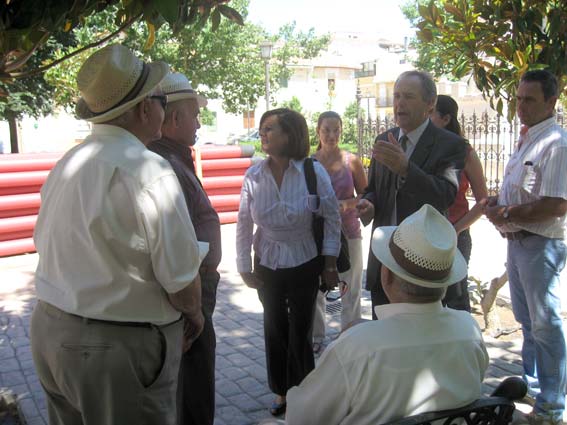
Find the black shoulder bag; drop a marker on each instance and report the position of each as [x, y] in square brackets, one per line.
[343, 260]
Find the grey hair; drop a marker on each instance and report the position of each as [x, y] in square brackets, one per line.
[428, 87]
[419, 294]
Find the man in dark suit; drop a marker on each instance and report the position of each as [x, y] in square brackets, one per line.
[413, 164]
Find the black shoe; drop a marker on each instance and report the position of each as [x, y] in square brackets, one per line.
[278, 409]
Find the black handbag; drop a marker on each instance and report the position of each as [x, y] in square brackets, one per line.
[343, 260]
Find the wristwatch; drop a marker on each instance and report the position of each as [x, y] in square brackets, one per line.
[506, 213]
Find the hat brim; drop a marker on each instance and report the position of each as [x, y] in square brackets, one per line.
[157, 72]
[380, 248]
[182, 96]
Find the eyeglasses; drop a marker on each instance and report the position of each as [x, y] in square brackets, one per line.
[336, 294]
[161, 98]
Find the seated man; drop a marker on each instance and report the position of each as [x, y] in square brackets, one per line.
[418, 357]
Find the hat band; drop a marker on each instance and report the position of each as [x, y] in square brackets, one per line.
[415, 269]
[133, 93]
[188, 91]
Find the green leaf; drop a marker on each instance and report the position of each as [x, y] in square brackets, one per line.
[230, 13]
[169, 9]
[215, 20]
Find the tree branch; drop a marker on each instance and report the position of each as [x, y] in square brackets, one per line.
[76, 52]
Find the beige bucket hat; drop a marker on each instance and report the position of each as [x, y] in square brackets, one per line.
[113, 80]
[422, 250]
[177, 87]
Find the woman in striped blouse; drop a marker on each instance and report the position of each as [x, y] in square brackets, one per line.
[286, 266]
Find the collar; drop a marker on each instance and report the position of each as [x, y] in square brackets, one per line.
[540, 126]
[388, 310]
[107, 130]
[297, 164]
[178, 148]
[416, 133]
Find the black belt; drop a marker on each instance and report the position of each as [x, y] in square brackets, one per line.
[517, 236]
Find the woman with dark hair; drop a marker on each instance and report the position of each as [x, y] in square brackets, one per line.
[445, 116]
[286, 265]
[347, 177]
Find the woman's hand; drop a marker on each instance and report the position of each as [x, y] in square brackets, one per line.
[251, 280]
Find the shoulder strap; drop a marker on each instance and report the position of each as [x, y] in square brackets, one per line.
[310, 177]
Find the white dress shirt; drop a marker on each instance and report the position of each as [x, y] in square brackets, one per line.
[283, 217]
[416, 358]
[537, 169]
[113, 232]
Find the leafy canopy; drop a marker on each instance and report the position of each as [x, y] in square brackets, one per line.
[494, 40]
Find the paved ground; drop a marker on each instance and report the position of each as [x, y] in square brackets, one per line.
[242, 391]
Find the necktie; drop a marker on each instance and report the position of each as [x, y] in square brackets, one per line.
[404, 142]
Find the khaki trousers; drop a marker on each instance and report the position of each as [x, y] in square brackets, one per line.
[96, 373]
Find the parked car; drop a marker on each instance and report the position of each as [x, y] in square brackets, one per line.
[253, 136]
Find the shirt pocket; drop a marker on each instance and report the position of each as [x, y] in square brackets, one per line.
[529, 177]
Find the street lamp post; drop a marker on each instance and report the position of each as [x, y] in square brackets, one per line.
[266, 54]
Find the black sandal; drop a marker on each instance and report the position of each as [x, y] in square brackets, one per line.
[278, 409]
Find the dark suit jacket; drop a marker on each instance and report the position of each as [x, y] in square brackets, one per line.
[436, 150]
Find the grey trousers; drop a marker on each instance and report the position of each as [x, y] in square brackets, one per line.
[97, 373]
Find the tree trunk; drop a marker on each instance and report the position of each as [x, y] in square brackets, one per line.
[13, 124]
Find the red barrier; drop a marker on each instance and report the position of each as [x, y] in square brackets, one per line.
[22, 175]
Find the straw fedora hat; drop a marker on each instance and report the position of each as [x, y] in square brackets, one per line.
[113, 80]
[177, 87]
[422, 250]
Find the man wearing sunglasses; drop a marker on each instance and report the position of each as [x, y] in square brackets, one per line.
[419, 356]
[118, 258]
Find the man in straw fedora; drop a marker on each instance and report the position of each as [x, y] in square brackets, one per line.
[118, 258]
[419, 356]
[196, 388]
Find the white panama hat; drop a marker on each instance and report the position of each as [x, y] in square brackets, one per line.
[422, 250]
[113, 80]
[177, 87]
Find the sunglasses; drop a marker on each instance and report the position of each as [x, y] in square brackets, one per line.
[336, 294]
[161, 98]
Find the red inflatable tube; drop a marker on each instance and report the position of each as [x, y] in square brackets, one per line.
[225, 202]
[15, 156]
[222, 182]
[28, 164]
[5, 191]
[220, 152]
[228, 163]
[24, 178]
[228, 217]
[24, 201]
[219, 191]
[225, 173]
[17, 246]
[16, 224]
[16, 235]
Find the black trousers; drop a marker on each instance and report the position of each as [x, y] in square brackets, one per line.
[196, 387]
[288, 297]
[457, 296]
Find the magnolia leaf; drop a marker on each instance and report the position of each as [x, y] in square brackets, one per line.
[519, 59]
[215, 19]
[230, 13]
[499, 106]
[169, 9]
[151, 36]
[455, 11]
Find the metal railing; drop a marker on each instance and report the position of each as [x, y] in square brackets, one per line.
[492, 136]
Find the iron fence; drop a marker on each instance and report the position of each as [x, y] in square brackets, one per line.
[492, 136]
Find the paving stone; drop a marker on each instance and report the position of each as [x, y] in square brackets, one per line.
[222, 363]
[6, 352]
[240, 360]
[10, 379]
[9, 365]
[224, 349]
[257, 371]
[21, 391]
[252, 386]
[244, 402]
[20, 341]
[234, 373]
[28, 408]
[227, 388]
[220, 400]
